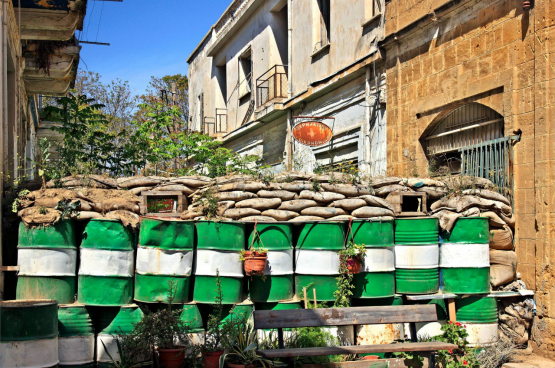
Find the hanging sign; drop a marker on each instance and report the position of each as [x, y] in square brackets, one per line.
[312, 133]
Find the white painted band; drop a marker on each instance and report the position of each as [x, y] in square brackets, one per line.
[29, 353]
[457, 255]
[379, 260]
[111, 346]
[317, 262]
[157, 261]
[208, 262]
[379, 334]
[100, 262]
[76, 350]
[280, 262]
[482, 334]
[47, 262]
[417, 256]
[425, 330]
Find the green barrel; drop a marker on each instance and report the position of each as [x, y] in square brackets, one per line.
[218, 252]
[377, 277]
[76, 339]
[317, 258]
[107, 263]
[47, 259]
[29, 333]
[464, 257]
[417, 256]
[115, 320]
[164, 259]
[277, 283]
[479, 316]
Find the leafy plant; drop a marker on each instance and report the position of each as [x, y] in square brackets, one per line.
[463, 357]
[69, 209]
[316, 186]
[347, 257]
[242, 348]
[127, 357]
[18, 199]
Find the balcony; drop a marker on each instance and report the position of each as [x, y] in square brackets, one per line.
[272, 85]
[213, 126]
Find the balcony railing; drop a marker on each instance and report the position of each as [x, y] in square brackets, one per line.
[215, 125]
[272, 85]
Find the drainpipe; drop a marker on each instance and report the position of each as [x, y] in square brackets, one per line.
[290, 45]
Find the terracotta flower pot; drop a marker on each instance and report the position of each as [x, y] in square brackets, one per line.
[354, 265]
[171, 358]
[212, 360]
[231, 365]
[255, 262]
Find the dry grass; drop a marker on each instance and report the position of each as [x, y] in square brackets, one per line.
[496, 355]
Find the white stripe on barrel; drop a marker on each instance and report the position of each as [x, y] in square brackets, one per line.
[457, 255]
[417, 256]
[208, 262]
[482, 334]
[101, 262]
[111, 345]
[379, 260]
[47, 262]
[157, 261]
[317, 262]
[425, 330]
[280, 262]
[76, 350]
[29, 353]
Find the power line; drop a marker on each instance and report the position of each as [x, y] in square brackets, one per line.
[99, 21]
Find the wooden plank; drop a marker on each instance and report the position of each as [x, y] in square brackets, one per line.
[452, 310]
[357, 349]
[431, 296]
[344, 316]
[9, 268]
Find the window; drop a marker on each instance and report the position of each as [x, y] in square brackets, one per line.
[200, 111]
[245, 74]
[371, 9]
[321, 25]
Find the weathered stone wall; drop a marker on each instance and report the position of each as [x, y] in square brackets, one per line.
[494, 53]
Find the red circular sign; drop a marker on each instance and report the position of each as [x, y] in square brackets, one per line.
[312, 133]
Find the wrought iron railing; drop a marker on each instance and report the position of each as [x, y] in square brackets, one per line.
[272, 85]
[209, 126]
[221, 120]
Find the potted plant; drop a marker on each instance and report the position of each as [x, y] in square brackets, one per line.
[242, 349]
[256, 257]
[353, 255]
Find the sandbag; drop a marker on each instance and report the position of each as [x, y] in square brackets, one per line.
[138, 190]
[293, 176]
[173, 188]
[280, 215]
[349, 204]
[306, 218]
[423, 182]
[325, 212]
[139, 181]
[234, 196]
[340, 218]
[188, 215]
[446, 203]
[384, 181]
[34, 216]
[296, 186]
[258, 219]
[192, 181]
[446, 219]
[487, 194]
[501, 274]
[109, 182]
[501, 239]
[456, 182]
[384, 191]
[284, 195]
[83, 205]
[248, 187]
[237, 213]
[373, 201]
[222, 180]
[259, 203]
[321, 196]
[434, 193]
[509, 219]
[127, 218]
[297, 205]
[503, 257]
[494, 219]
[348, 190]
[368, 212]
[86, 215]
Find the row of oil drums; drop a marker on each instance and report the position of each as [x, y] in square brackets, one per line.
[403, 257]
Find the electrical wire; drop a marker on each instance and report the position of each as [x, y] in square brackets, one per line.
[90, 18]
[99, 21]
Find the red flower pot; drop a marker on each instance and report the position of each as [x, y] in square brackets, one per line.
[255, 263]
[354, 265]
[212, 360]
[171, 358]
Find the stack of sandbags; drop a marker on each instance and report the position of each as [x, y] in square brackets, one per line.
[83, 181]
[516, 315]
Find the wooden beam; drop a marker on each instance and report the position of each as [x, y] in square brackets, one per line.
[452, 310]
[9, 268]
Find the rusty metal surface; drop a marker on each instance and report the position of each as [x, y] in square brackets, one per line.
[312, 133]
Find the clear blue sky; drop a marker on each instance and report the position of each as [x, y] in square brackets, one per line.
[147, 37]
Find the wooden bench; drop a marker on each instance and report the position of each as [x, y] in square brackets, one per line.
[280, 319]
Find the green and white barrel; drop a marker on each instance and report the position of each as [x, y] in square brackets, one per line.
[277, 283]
[425, 330]
[164, 258]
[379, 333]
[464, 257]
[218, 250]
[417, 256]
[47, 259]
[29, 334]
[121, 320]
[107, 262]
[317, 258]
[191, 317]
[479, 316]
[76, 339]
[377, 277]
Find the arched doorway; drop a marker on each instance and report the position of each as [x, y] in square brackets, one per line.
[470, 140]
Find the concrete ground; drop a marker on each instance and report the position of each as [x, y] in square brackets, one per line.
[530, 361]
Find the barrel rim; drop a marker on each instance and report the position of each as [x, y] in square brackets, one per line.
[165, 219]
[27, 303]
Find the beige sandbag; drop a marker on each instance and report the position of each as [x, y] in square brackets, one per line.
[83, 205]
[234, 196]
[487, 194]
[509, 219]
[173, 188]
[321, 196]
[35, 216]
[225, 205]
[349, 204]
[501, 239]
[86, 215]
[138, 190]
[297, 205]
[341, 218]
[348, 190]
[503, 257]
[494, 219]
[458, 182]
[434, 193]
[258, 219]
[384, 191]
[368, 212]
[259, 203]
[468, 201]
[373, 201]
[237, 213]
[423, 182]
[188, 215]
[293, 176]
[114, 204]
[191, 181]
[501, 274]
[325, 212]
[446, 219]
[384, 181]
[446, 203]
[109, 182]
[333, 177]
[284, 195]
[296, 186]
[222, 180]
[280, 215]
[139, 181]
[127, 218]
[249, 187]
[306, 218]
